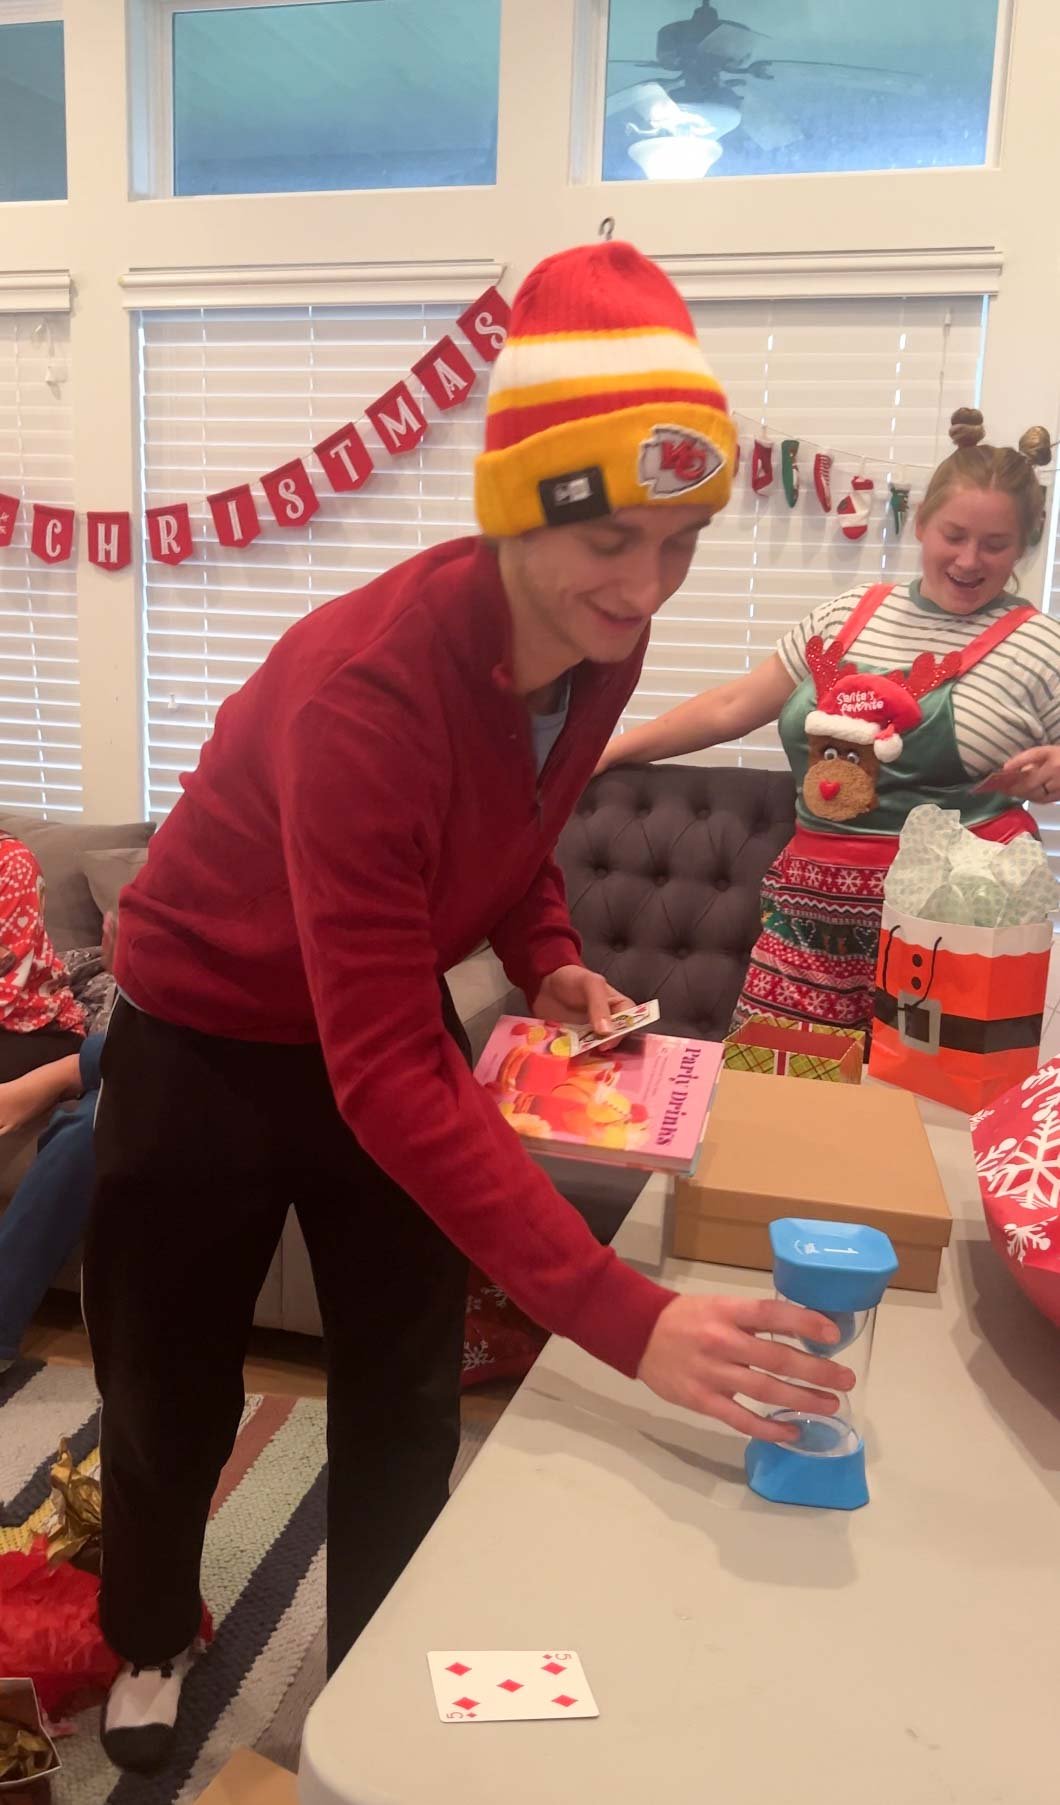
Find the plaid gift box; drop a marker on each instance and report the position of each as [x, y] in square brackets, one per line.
[784, 1048]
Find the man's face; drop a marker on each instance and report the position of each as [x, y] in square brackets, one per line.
[591, 589]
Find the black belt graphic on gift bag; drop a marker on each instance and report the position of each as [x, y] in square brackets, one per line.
[923, 1025]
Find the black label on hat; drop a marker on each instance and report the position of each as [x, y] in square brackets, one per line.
[578, 495]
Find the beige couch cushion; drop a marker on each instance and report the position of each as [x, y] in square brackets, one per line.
[109, 870]
[60, 847]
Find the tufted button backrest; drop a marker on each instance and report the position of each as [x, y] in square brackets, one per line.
[664, 867]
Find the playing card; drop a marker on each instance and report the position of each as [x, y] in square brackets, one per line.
[625, 1021]
[508, 1685]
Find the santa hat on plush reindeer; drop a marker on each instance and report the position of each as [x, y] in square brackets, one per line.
[862, 710]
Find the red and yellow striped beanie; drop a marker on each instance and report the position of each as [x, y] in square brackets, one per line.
[601, 399]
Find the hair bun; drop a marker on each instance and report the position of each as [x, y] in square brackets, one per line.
[1035, 445]
[966, 428]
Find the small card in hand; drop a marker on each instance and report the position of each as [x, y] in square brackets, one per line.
[623, 1022]
[508, 1685]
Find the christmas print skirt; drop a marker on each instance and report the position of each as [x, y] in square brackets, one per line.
[815, 959]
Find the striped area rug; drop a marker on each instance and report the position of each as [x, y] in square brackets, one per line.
[263, 1578]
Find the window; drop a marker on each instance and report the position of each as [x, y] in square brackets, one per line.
[339, 94]
[32, 111]
[873, 378]
[225, 396]
[40, 722]
[765, 87]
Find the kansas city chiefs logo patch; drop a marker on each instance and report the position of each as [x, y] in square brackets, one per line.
[673, 459]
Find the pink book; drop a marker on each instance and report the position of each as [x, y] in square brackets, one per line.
[644, 1103]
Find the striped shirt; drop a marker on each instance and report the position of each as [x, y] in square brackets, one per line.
[1008, 703]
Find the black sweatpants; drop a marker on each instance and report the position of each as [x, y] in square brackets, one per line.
[201, 1146]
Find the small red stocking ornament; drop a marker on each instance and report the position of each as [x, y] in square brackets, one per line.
[855, 507]
[822, 480]
[762, 466]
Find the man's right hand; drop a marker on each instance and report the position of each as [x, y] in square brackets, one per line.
[703, 1351]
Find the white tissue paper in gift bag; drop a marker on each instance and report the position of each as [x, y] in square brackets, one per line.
[943, 872]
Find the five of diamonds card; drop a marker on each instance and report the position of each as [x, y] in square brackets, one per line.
[508, 1685]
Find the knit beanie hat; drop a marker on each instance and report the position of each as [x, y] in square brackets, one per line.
[601, 399]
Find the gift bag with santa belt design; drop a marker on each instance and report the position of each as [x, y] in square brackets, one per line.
[958, 1012]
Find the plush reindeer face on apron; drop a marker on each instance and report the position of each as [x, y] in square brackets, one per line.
[840, 783]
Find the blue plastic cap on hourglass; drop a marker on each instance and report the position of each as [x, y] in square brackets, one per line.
[839, 1268]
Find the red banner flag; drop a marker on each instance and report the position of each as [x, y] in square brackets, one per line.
[446, 374]
[109, 540]
[345, 459]
[9, 506]
[169, 533]
[290, 494]
[485, 324]
[398, 419]
[235, 517]
[52, 538]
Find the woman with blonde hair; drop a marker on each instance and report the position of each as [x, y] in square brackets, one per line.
[943, 690]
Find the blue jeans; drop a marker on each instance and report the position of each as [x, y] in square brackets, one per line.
[45, 1219]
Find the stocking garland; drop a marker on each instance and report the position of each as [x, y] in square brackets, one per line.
[789, 470]
[762, 466]
[822, 480]
[855, 508]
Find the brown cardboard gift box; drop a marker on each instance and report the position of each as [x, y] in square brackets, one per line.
[841, 1152]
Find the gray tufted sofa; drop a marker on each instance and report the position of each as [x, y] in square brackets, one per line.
[664, 867]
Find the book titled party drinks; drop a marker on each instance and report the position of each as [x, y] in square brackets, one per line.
[643, 1103]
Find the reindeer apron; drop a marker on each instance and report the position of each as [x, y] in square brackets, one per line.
[865, 746]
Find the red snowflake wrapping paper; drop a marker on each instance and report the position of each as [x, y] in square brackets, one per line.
[499, 1341]
[1017, 1158]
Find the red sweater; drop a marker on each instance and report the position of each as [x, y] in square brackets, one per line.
[366, 813]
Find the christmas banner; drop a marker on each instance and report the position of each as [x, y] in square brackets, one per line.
[397, 418]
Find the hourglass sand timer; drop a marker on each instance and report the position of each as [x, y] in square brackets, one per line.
[840, 1270]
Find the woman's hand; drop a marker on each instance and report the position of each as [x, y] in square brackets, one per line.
[706, 1351]
[574, 994]
[1032, 776]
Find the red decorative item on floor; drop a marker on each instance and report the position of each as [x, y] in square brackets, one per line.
[822, 480]
[52, 537]
[109, 540]
[234, 516]
[398, 419]
[9, 506]
[499, 1341]
[485, 324]
[446, 374]
[169, 533]
[49, 1630]
[1016, 1142]
[345, 459]
[855, 508]
[762, 466]
[290, 494]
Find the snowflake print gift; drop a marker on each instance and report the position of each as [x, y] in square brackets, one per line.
[1017, 1157]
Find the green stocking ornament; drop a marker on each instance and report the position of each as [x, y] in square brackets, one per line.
[898, 506]
[789, 470]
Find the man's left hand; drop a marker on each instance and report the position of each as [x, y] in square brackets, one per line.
[1032, 776]
[573, 994]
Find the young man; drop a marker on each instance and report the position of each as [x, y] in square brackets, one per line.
[385, 792]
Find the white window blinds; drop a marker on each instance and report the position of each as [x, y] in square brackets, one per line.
[227, 396]
[40, 721]
[875, 379]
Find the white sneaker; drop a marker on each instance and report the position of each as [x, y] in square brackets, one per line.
[137, 1726]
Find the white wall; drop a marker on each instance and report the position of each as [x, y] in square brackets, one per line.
[892, 233]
